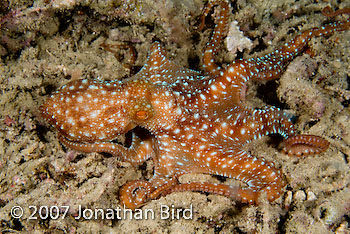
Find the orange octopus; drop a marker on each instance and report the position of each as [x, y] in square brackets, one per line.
[198, 121]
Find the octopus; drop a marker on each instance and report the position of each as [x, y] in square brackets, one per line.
[198, 121]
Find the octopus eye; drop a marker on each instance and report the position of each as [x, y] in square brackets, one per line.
[142, 115]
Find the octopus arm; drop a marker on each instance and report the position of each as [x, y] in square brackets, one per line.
[138, 152]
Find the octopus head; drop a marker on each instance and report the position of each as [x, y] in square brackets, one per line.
[89, 111]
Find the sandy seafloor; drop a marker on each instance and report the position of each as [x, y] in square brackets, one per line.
[45, 44]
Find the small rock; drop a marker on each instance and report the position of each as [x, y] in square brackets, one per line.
[311, 196]
[299, 196]
[288, 200]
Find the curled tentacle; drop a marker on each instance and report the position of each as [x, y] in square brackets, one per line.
[303, 145]
[135, 193]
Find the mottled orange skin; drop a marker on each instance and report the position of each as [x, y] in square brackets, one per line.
[198, 123]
